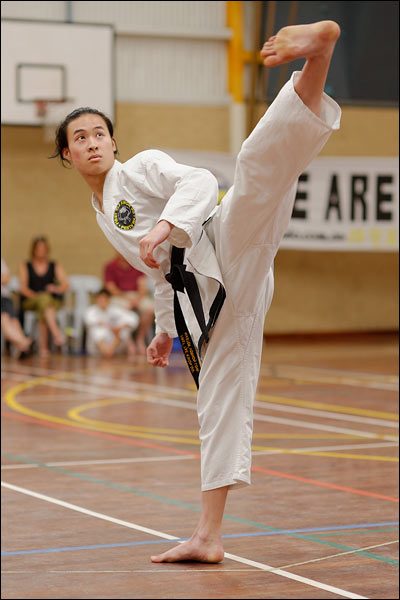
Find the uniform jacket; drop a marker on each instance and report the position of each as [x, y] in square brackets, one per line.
[151, 187]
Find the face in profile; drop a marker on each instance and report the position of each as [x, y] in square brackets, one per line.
[90, 146]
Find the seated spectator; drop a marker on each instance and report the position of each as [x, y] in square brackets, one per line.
[42, 286]
[129, 288]
[109, 327]
[10, 325]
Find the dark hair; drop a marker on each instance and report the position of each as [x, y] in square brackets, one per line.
[103, 292]
[37, 240]
[61, 141]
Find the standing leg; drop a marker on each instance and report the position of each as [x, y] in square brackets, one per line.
[205, 545]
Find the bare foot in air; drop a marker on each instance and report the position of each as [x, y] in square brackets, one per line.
[195, 549]
[300, 41]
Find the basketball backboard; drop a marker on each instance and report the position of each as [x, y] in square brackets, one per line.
[45, 63]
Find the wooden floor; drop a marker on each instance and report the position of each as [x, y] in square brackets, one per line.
[101, 469]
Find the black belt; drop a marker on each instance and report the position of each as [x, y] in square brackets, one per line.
[182, 280]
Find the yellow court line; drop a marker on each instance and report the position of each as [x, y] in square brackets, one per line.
[351, 410]
[126, 430]
[74, 413]
[10, 400]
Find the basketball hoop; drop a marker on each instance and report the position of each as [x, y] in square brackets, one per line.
[50, 113]
[41, 108]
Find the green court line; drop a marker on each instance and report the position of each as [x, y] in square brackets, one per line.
[362, 532]
[193, 507]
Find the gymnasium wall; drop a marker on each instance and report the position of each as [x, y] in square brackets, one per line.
[315, 291]
[187, 107]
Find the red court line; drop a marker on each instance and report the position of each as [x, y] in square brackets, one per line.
[116, 438]
[333, 486]
[109, 436]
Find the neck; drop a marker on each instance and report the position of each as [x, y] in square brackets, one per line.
[96, 184]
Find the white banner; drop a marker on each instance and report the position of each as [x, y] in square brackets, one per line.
[342, 203]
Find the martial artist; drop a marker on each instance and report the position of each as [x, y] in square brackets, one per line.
[150, 203]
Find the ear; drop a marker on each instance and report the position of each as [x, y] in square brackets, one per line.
[66, 154]
[114, 144]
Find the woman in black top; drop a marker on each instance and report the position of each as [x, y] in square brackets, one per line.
[43, 283]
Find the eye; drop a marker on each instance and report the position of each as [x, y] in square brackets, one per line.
[100, 134]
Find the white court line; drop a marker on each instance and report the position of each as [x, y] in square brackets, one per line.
[108, 461]
[119, 393]
[154, 388]
[240, 559]
[306, 562]
[349, 377]
[326, 414]
[272, 405]
[328, 448]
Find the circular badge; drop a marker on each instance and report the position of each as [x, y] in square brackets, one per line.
[124, 215]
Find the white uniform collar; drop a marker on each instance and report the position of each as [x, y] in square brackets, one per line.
[110, 177]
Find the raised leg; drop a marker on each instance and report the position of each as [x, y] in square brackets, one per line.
[315, 43]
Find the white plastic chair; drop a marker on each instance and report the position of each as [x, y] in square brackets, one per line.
[82, 287]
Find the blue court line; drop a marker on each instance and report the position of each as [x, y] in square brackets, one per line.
[194, 507]
[228, 535]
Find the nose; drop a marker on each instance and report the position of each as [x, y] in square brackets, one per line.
[93, 144]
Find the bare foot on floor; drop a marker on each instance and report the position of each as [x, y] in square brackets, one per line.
[193, 550]
[300, 41]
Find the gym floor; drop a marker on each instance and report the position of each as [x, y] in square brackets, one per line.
[101, 470]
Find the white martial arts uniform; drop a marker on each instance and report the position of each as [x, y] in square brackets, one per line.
[98, 322]
[236, 247]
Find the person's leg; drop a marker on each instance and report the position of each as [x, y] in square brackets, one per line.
[205, 545]
[227, 390]
[50, 316]
[146, 320]
[43, 339]
[146, 314]
[44, 305]
[13, 332]
[315, 43]
[107, 349]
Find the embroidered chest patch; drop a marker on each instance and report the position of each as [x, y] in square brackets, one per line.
[124, 215]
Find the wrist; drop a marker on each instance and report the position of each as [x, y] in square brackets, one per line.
[165, 226]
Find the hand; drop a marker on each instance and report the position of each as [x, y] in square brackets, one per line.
[159, 350]
[51, 288]
[157, 235]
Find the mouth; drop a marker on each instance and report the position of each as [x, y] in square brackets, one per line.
[95, 157]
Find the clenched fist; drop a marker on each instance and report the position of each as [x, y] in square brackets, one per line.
[157, 235]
